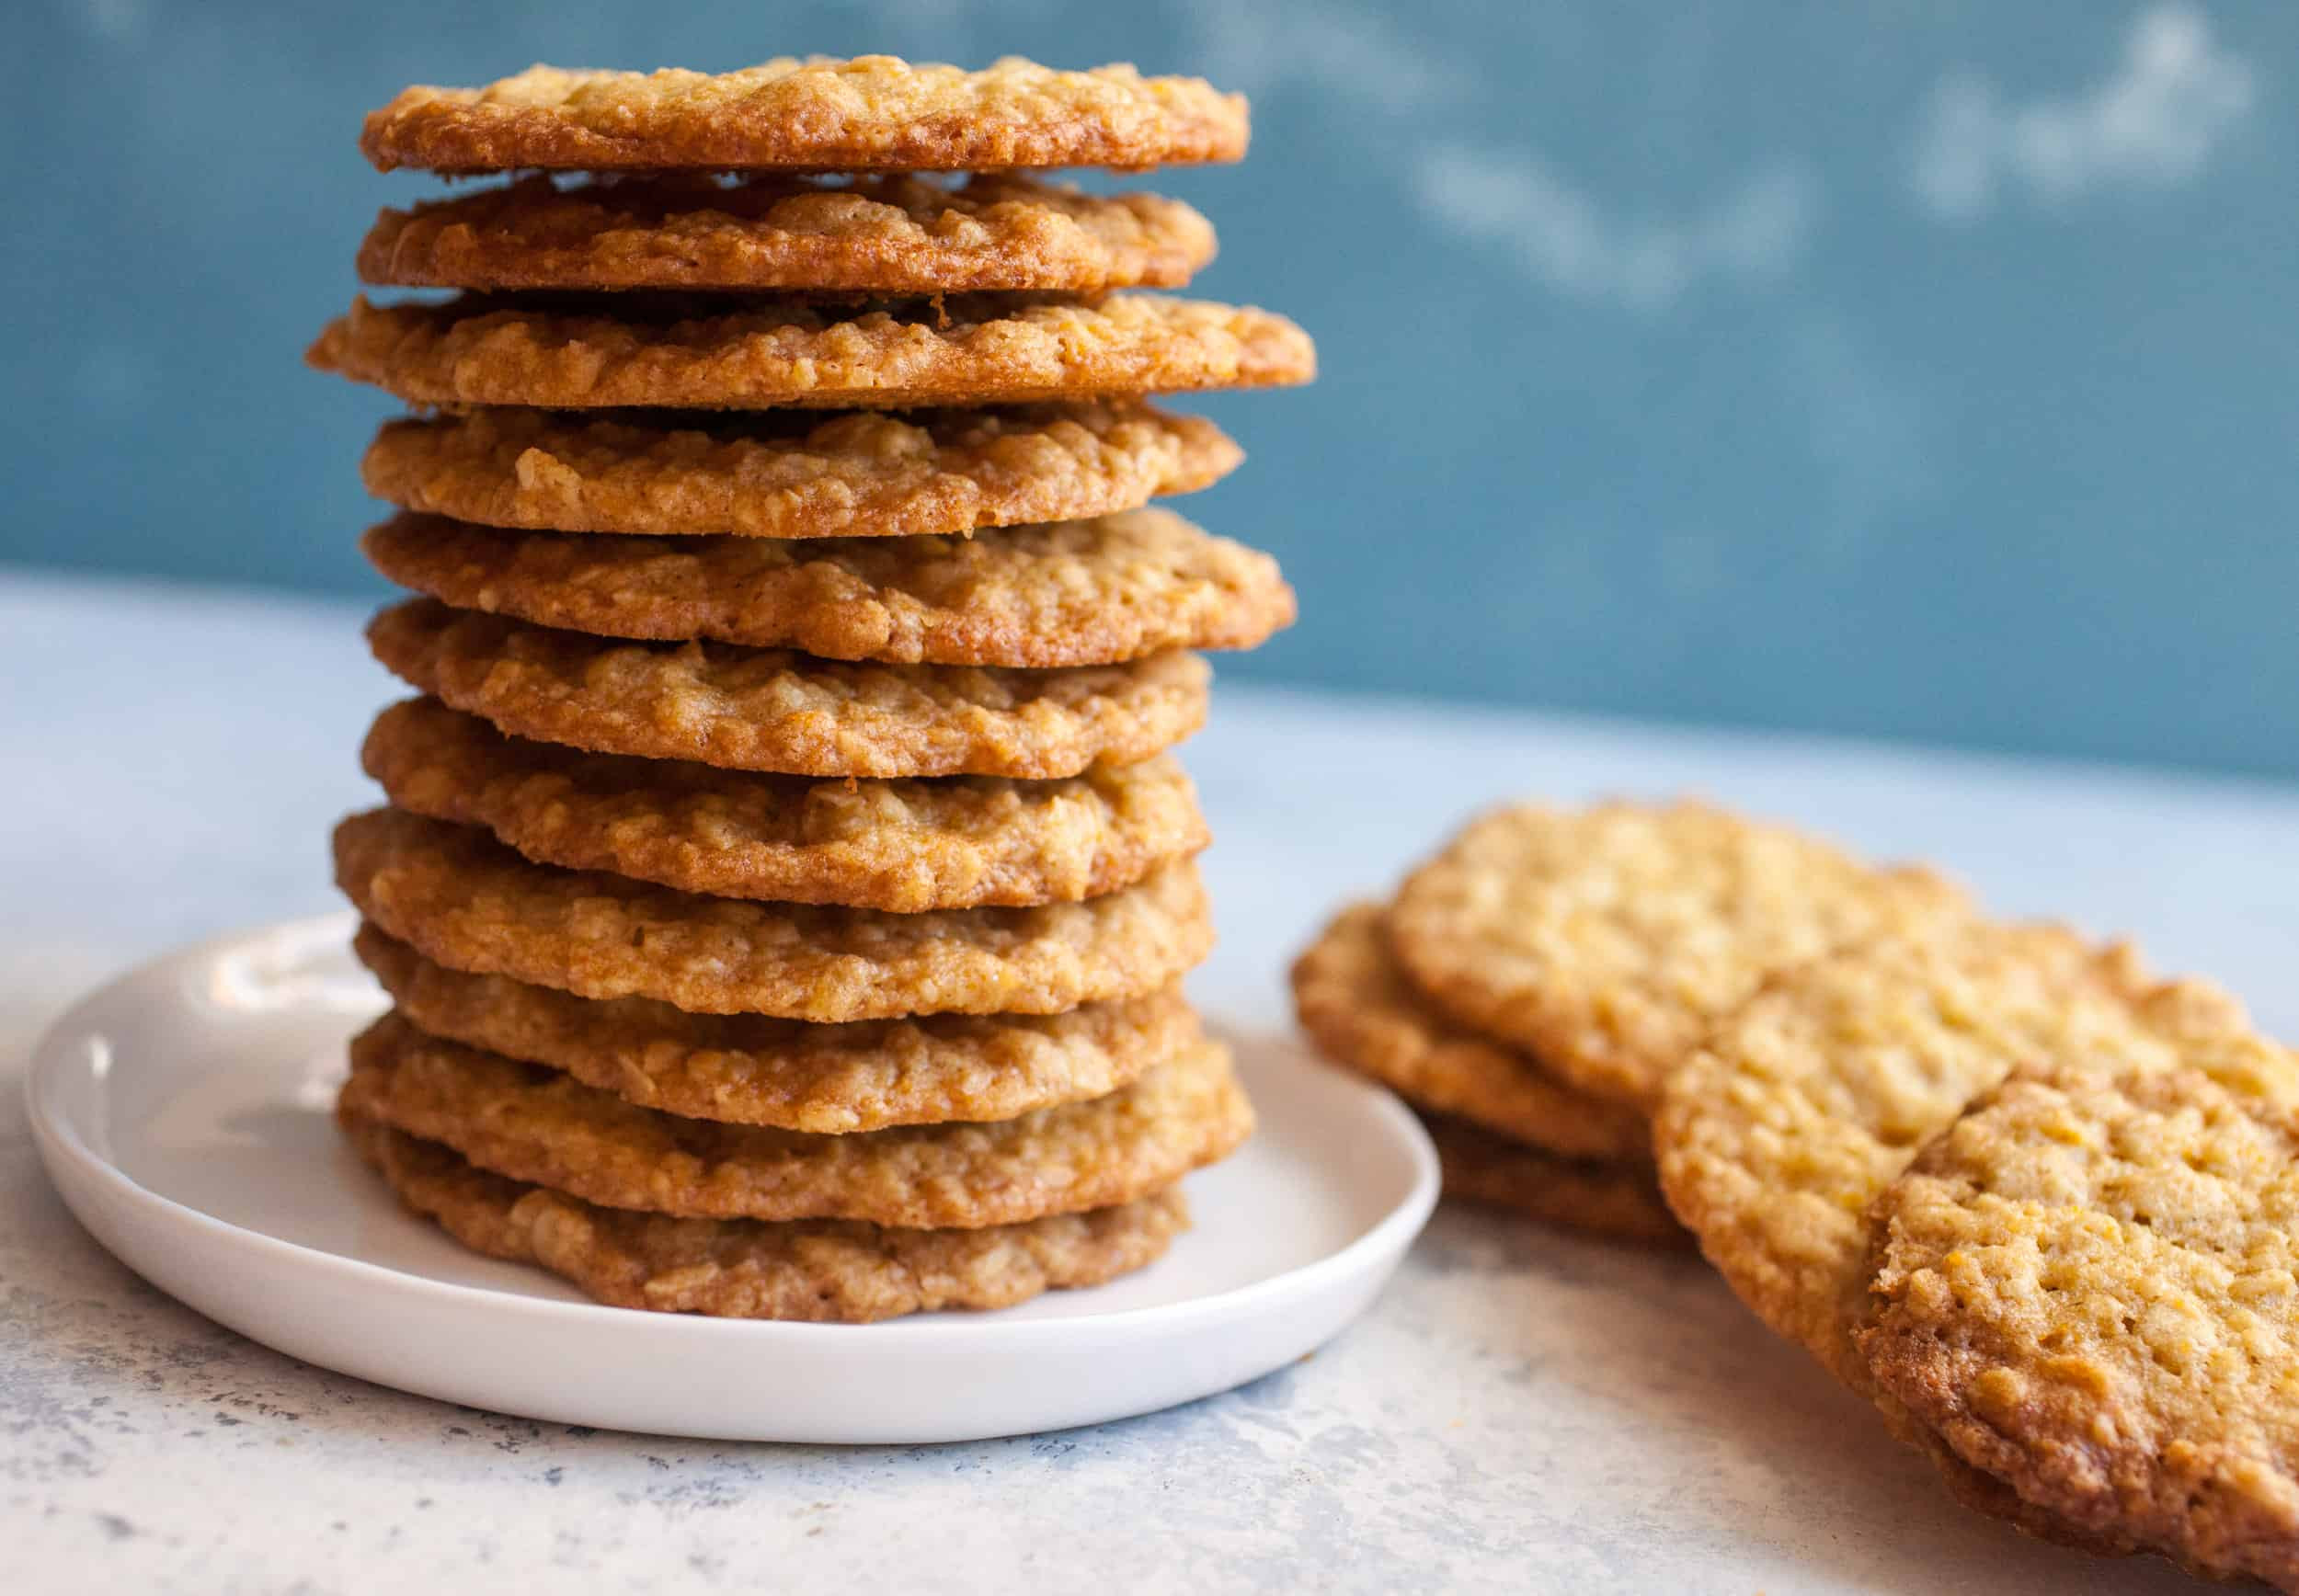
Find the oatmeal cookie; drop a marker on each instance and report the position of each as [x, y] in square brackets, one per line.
[1606, 942]
[530, 1124]
[824, 1270]
[582, 351]
[827, 1079]
[882, 234]
[1776, 1135]
[772, 709]
[1357, 1007]
[794, 473]
[464, 900]
[957, 842]
[818, 114]
[2085, 1286]
[1099, 592]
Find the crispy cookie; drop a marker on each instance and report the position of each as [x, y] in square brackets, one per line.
[829, 1079]
[819, 114]
[1776, 1135]
[959, 842]
[1606, 942]
[772, 709]
[1099, 592]
[1616, 1200]
[577, 352]
[530, 1124]
[824, 1270]
[2085, 1286]
[464, 900]
[1356, 1006]
[793, 473]
[873, 234]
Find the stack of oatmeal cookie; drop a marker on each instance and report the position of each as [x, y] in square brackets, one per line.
[784, 890]
[1535, 981]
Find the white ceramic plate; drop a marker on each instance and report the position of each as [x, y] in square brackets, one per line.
[184, 1113]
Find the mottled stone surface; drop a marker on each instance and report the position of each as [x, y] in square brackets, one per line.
[1520, 1412]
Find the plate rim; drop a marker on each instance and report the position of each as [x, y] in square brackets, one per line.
[58, 1140]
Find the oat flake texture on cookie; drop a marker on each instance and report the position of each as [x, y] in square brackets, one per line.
[553, 1130]
[687, 351]
[873, 234]
[2086, 1287]
[754, 1069]
[1778, 1134]
[872, 113]
[838, 1270]
[905, 846]
[1107, 591]
[1606, 942]
[793, 473]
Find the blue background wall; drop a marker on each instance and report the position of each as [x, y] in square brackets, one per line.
[1913, 370]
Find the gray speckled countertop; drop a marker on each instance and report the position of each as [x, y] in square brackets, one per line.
[1520, 1412]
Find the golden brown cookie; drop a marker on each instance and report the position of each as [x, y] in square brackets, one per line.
[1775, 1137]
[819, 114]
[793, 473]
[578, 352]
[887, 234]
[958, 842]
[2086, 1286]
[760, 709]
[824, 1270]
[464, 900]
[1606, 942]
[1357, 1007]
[1617, 1202]
[829, 1079]
[1099, 592]
[531, 1124]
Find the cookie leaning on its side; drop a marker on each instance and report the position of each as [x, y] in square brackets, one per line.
[2085, 1288]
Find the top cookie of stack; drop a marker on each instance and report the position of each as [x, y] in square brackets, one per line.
[792, 784]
